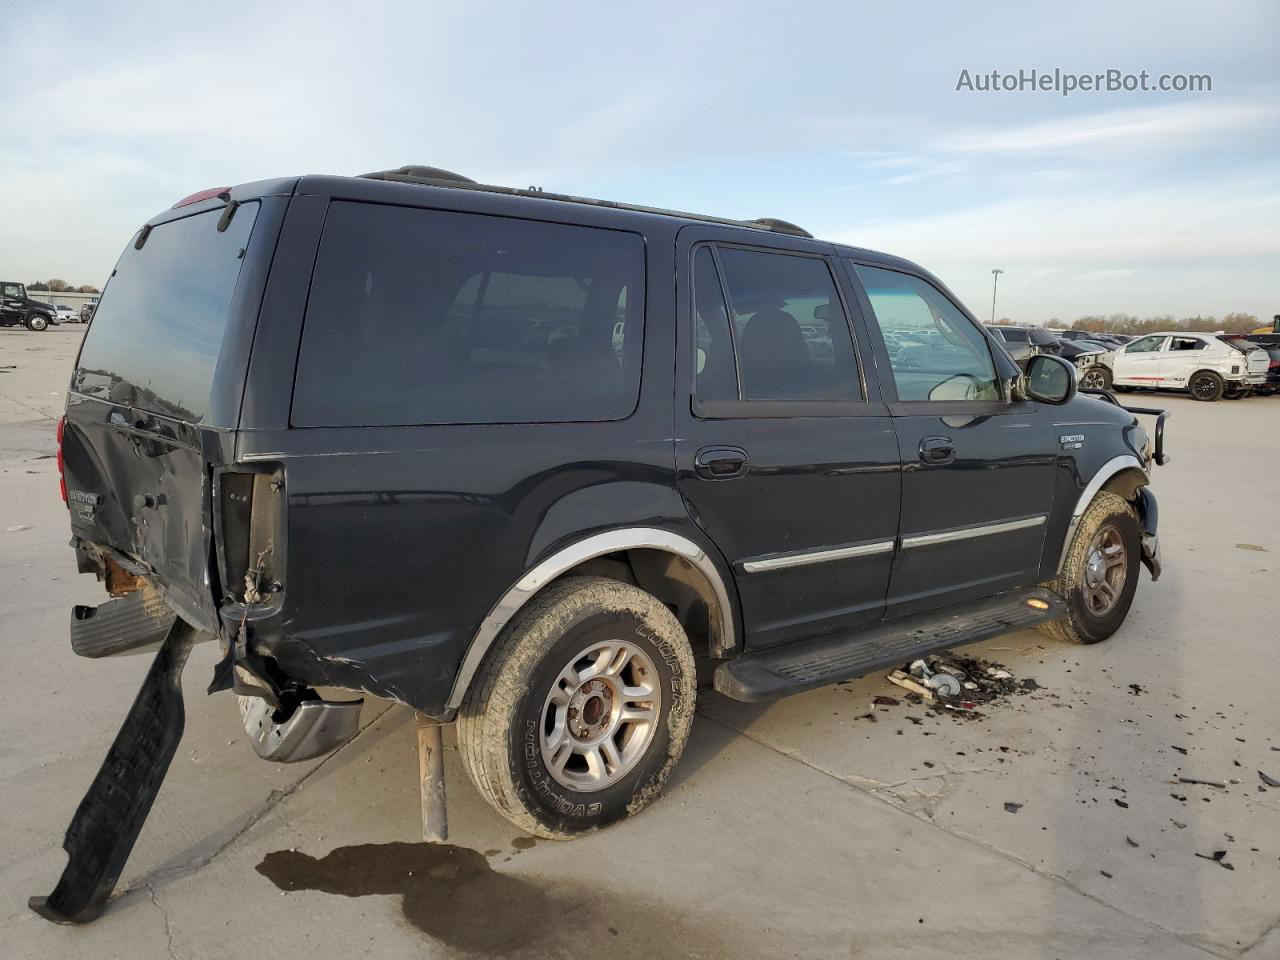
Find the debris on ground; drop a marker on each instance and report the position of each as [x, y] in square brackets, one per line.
[1131, 842]
[1204, 783]
[1269, 781]
[1120, 803]
[1217, 857]
[1181, 750]
[959, 685]
[1013, 807]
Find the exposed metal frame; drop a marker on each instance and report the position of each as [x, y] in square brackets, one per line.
[599, 545]
[1104, 473]
[970, 533]
[807, 557]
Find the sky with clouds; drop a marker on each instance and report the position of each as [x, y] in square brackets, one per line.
[842, 117]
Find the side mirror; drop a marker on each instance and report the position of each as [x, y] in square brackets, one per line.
[1050, 379]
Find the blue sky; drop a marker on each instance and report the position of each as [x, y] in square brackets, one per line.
[842, 117]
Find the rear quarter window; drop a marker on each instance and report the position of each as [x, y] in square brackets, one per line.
[431, 317]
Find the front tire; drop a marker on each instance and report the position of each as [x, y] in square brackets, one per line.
[1100, 574]
[37, 322]
[1097, 377]
[581, 710]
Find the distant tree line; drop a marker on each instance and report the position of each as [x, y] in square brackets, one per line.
[61, 286]
[1127, 323]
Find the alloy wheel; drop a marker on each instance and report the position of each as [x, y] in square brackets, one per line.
[1106, 567]
[600, 715]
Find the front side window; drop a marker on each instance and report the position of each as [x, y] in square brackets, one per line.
[1145, 345]
[429, 317]
[781, 318]
[12, 290]
[935, 352]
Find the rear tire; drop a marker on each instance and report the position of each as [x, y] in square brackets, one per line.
[1096, 377]
[1100, 574]
[1205, 385]
[581, 709]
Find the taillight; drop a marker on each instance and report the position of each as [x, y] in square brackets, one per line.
[62, 476]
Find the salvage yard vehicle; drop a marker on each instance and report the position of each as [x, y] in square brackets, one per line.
[513, 458]
[1206, 365]
[18, 309]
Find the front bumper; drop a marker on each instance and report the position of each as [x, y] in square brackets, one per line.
[1149, 518]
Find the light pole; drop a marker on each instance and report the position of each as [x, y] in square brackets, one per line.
[995, 279]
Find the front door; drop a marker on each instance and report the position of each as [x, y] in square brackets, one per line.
[785, 453]
[977, 469]
[13, 302]
[1138, 364]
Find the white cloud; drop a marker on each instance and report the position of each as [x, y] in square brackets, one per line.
[1142, 129]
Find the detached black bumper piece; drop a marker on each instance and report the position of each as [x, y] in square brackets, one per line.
[110, 817]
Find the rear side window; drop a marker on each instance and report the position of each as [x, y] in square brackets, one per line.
[781, 318]
[1186, 343]
[157, 333]
[428, 317]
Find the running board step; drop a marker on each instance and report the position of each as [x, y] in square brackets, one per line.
[138, 620]
[808, 664]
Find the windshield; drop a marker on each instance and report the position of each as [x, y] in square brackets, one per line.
[157, 333]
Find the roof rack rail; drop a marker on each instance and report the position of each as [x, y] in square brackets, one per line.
[438, 177]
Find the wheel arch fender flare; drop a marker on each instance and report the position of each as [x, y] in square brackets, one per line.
[1123, 475]
[576, 553]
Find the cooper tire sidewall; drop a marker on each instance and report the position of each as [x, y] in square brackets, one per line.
[562, 809]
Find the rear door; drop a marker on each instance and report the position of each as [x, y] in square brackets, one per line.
[785, 454]
[977, 468]
[155, 396]
[1138, 364]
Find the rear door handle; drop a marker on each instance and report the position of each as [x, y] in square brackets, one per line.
[937, 450]
[721, 463]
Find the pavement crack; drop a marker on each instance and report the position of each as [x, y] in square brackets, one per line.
[168, 929]
[875, 794]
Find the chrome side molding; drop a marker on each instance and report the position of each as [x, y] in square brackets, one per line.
[970, 533]
[825, 555]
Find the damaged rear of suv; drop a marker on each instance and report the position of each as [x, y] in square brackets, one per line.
[391, 435]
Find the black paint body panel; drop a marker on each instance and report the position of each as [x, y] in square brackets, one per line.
[399, 540]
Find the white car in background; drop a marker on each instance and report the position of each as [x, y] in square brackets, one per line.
[1207, 365]
[65, 314]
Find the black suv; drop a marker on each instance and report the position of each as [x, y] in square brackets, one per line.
[18, 309]
[514, 458]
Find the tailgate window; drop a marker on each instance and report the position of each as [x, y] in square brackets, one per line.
[157, 333]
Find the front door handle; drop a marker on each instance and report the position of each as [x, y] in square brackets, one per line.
[721, 463]
[937, 450]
